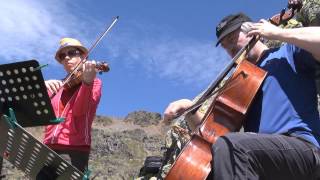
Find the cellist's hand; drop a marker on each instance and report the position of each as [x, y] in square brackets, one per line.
[53, 85]
[175, 108]
[89, 72]
[265, 29]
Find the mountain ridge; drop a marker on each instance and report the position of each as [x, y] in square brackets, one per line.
[119, 145]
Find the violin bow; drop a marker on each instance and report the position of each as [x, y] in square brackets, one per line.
[83, 60]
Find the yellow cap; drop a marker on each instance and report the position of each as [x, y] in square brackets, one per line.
[70, 42]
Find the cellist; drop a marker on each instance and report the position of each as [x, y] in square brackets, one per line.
[282, 128]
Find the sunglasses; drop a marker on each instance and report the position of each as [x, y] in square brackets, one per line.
[70, 53]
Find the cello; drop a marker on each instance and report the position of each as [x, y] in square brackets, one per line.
[226, 113]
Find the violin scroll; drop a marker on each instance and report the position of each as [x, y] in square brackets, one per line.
[76, 78]
[102, 67]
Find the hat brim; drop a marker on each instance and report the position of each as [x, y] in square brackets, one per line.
[230, 30]
[81, 48]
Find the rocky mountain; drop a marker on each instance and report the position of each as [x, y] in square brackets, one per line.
[119, 146]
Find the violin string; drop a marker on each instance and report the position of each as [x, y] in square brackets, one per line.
[90, 49]
[68, 77]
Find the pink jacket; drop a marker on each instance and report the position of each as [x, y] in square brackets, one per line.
[79, 113]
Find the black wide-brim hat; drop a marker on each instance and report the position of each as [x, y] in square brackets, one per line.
[229, 24]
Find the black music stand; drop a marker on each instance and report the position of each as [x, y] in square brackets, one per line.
[22, 88]
[31, 156]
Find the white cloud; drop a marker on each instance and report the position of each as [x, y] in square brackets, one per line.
[31, 29]
[186, 60]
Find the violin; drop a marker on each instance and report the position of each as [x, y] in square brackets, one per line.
[226, 113]
[76, 78]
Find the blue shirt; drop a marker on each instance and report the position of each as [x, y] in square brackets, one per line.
[287, 100]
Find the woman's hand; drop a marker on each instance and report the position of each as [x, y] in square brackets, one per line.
[89, 72]
[53, 85]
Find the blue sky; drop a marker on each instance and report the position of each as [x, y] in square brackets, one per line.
[159, 51]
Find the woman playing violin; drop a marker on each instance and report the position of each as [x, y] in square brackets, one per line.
[282, 128]
[77, 104]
